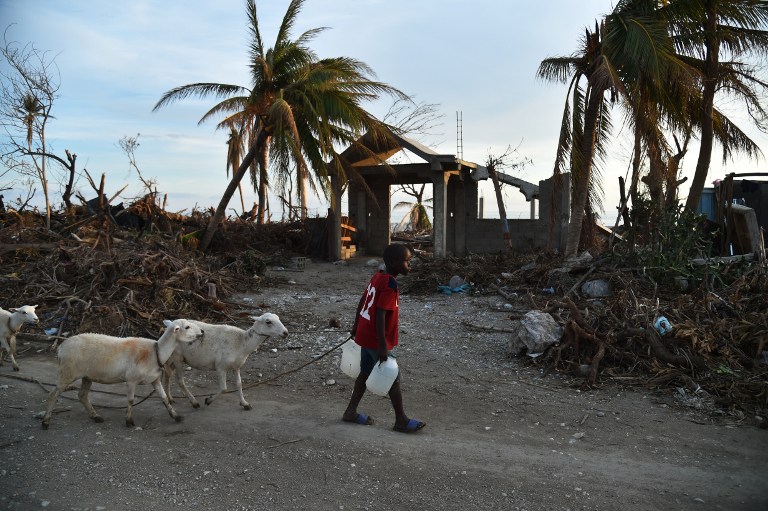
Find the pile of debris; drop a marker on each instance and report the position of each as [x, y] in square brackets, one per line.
[707, 343]
[89, 274]
[705, 339]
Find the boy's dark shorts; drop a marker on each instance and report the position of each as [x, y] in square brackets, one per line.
[368, 359]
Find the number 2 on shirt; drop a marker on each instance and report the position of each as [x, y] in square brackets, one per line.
[371, 293]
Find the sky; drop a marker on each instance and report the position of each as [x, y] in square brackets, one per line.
[478, 57]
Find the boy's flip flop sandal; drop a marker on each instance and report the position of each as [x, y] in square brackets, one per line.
[412, 427]
[362, 419]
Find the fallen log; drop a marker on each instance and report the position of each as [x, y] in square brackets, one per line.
[12, 247]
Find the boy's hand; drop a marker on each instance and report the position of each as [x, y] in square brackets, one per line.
[383, 355]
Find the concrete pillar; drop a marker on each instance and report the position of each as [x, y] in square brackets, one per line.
[378, 217]
[459, 219]
[555, 207]
[361, 219]
[439, 203]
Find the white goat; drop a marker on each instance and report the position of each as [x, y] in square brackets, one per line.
[11, 321]
[105, 359]
[224, 348]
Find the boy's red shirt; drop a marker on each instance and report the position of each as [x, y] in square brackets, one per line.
[381, 293]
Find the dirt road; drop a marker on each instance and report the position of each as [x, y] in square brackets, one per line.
[499, 436]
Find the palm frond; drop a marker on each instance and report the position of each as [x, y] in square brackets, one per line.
[200, 90]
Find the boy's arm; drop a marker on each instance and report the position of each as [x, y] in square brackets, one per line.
[357, 315]
[381, 324]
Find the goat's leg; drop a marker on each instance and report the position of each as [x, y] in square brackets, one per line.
[160, 392]
[166, 380]
[129, 411]
[82, 395]
[239, 382]
[52, 397]
[9, 346]
[12, 353]
[222, 386]
[179, 374]
[3, 348]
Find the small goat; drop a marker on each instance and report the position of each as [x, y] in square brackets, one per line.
[224, 348]
[11, 322]
[105, 359]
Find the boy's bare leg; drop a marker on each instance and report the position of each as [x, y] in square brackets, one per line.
[401, 420]
[397, 403]
[350, 414]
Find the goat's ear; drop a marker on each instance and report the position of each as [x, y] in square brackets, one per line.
[167, 322]
[13, 309]
[255, 318]
[34, 306]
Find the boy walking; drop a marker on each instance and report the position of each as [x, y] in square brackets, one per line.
[375, 329]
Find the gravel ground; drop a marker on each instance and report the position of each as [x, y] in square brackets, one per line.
[501, 434]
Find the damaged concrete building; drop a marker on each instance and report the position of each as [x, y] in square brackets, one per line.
[458, 228]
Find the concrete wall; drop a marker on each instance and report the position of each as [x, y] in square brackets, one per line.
[485, 235]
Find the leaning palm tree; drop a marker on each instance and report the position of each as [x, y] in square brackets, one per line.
[586, 121]
[710, 32]
[297, 107]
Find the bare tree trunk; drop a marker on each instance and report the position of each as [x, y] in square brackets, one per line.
[263, 181]
[237, 176]
[655, 181]
[43, 178]
[636, 159]
[708, 100]
[242, 199]
[236, 164]
[673, 183]
[500, 202]
[69, 188]
[303, 181]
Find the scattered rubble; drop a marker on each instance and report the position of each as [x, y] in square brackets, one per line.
[89, 274]
[719, 326]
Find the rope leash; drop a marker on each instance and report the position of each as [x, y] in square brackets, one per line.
[254, 384]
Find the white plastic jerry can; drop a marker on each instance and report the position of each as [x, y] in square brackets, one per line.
[350, 358]
[382, 377]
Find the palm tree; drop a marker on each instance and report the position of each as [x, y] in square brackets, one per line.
[35, 116]
[296, 108]
[632, 56]
[234, 155]
[417, 216]
[707, 31]
[31, 109]
[586, 120]
[658, 88]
